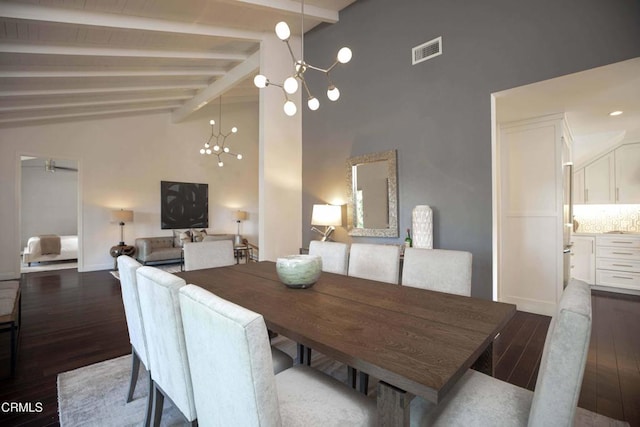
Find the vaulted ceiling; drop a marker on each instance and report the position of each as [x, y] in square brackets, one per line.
[75, 59]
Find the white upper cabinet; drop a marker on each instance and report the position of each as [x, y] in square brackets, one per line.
[611, 178]
[627, 173]
[599, 180]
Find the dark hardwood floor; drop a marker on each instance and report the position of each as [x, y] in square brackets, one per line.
[73, 319]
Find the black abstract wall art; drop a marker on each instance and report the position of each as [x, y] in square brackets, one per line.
[184, 205]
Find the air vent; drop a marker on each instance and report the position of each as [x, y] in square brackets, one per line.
[426, 50]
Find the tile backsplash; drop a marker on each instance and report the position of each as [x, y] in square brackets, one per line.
[604, 218]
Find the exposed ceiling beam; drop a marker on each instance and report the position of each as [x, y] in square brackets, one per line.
[93, 103]
[289, 6]
[116, 52]
[46, 92]
[217, 88]
[109, 20]
[113, 73]
[86, 114]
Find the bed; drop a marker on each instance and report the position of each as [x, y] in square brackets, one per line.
[33, 251]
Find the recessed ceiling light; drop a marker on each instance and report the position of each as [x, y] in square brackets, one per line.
[615, 113]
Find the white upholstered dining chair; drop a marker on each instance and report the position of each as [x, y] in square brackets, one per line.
[335, 259]
[335, 255]
[127, 268]
[375, 262]
[165, 342]
[208, 254]
[233, 381]
[481, 400]
[439, 270]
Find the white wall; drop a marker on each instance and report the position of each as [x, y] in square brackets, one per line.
[121, 163]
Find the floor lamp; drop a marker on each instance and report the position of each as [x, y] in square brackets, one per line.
[121, 217]
[240, 216]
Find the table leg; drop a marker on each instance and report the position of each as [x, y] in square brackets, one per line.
[484, 363]
[393, 406]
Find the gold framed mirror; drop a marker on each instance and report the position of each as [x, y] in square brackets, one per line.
[372, 195]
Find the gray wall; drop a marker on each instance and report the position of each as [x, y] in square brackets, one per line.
[437, 114]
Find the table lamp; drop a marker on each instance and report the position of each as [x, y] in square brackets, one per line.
[121, 217]
[240, 216]
[328, 216]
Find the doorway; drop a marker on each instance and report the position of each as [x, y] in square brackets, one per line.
[48, 205]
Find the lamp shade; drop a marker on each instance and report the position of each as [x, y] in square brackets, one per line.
[326, 215]
[122, 216]
[241, 215]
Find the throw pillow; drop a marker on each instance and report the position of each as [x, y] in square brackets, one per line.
[180, 237]
[198, 236]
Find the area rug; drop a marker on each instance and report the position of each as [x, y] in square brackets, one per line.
[95, 395]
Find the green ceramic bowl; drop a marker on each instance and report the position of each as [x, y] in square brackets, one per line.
[299, 271]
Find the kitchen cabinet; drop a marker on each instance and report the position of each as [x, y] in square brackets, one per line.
[627, 173]
[599, 180]
[578, 187]
[611, 178]
[583, 258]
[618, 261]
[530, 166]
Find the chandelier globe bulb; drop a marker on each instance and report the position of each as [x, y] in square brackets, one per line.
[290, 108]
[220, 164]
[234, 129]
[313, 103]
[282, 31]
[202, 151]
[333, 93]
[216, 148]
[291, 85]
[344, 55]
[260, 81]
[239, 156]
[212, 122]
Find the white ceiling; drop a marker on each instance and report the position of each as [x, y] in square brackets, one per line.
[586, 98]
[73, 59]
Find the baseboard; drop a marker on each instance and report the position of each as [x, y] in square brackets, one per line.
[9, 276]
[532, 306]
[96, 267]
[615, 290]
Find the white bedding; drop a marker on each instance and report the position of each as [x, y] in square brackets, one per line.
[68, 250]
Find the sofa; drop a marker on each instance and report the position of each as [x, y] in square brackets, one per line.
[166, 249]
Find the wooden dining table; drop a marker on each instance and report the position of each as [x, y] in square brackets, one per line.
[416, 342]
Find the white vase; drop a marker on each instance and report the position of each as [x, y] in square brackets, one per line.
[422, 227]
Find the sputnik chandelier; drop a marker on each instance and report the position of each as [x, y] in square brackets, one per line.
[219, 147]
[290, 85]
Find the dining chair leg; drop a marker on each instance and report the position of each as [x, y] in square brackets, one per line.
[147, 417]
[304, 355]
[158, 403]
[14, 348]
[300, 354]
[135, 367]
[307, 356]
[351, 376]
[364, 383]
